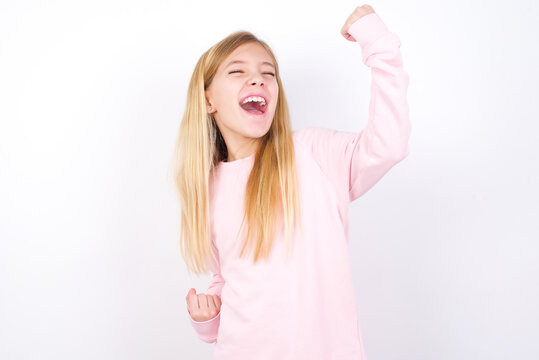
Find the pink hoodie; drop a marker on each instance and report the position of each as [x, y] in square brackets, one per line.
[305, 307]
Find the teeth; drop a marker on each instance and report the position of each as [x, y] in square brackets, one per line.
[255, 98]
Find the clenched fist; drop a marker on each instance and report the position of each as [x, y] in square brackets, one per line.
[359, 12]
[202, 307]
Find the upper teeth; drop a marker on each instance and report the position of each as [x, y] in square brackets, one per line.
[255, 98]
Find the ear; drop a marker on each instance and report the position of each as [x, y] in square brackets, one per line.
[209, 107]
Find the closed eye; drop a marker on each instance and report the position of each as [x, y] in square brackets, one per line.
[235, 71]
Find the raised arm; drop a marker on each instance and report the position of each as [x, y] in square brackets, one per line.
[354, 162]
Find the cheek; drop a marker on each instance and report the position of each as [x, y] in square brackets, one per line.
[229, 102]
[275, 96]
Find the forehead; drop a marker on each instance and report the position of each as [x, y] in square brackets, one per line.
[249, 53]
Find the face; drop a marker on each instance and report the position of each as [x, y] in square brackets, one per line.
[231, 84]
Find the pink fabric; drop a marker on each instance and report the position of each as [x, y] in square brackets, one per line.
[304, 307]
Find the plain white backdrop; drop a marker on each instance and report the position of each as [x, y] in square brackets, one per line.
[444, 248]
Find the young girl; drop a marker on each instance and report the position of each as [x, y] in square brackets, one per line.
[285, 290]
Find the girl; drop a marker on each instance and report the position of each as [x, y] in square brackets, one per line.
[241, 170]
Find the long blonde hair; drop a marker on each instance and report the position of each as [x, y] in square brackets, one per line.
[200, 147]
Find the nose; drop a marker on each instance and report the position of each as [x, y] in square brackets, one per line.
[256, 79]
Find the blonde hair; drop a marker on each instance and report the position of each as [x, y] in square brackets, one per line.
[200, 147]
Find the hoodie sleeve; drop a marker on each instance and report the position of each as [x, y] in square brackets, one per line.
[354, 162]
[207, 330]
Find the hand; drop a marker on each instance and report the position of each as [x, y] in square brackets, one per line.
[359, 12]
[202, 307]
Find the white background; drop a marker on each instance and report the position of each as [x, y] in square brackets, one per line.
[444, 248]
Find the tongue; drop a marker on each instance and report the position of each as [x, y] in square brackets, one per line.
[252, 107]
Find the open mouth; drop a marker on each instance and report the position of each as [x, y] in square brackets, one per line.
[254, 107]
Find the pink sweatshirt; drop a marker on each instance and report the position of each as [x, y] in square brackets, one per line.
[305, 308]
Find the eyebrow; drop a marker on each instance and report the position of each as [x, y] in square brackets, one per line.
[243, 62]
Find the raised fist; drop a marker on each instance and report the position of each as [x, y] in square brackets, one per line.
[359, 12]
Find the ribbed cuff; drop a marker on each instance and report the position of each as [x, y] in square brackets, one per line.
[207, 330]
[367, 29]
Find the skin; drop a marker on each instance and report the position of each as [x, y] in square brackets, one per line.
[241, 132]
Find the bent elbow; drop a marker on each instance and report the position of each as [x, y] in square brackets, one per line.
[402, 153]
